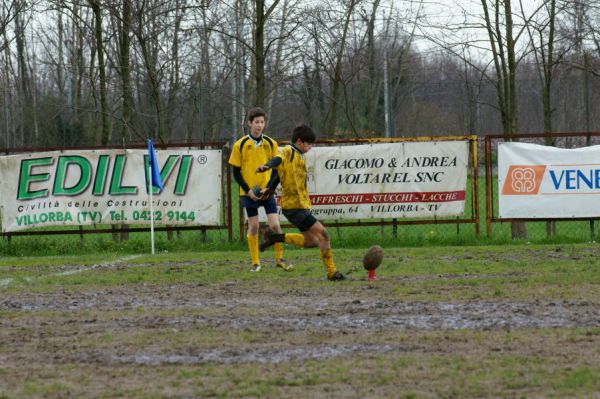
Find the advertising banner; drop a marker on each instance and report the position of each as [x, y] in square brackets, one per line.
[388, 180]
[109, 187]
[536, 181]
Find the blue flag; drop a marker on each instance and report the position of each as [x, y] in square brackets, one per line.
[155, 178]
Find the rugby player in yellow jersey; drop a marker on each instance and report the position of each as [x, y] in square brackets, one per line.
[295, 201]
[247, 154]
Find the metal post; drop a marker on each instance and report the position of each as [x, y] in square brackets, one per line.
[586, 101]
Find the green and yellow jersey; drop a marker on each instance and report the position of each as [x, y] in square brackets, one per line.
[293, 175]
[248, 154]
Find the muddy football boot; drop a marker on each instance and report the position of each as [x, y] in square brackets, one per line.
[337, 276]
[255, 268]
[267, 240]
[284, 265]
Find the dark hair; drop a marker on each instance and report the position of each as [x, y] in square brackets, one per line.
[304, 133]
[255, 112]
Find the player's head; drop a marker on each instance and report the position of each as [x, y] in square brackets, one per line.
[257, 119]
[304, 133]
[303, 137]
[255, 112]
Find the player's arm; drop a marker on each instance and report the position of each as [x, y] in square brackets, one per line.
[235, 160]
[272, 184]
[237, 175]
[271, 163]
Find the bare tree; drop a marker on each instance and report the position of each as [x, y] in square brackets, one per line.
[542, 34]
[500, 29]
[125, 67]
[374, 82]
[336, 72]
[104, 111]
[286, 25]
[178, 69]
[542, 38]
[259, 51]
[10, 10]
[27, 128]
[201, 77]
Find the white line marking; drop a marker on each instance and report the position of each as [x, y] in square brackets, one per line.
[7, 281]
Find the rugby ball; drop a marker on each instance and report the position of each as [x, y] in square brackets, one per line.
[256, 191]
[373, 257]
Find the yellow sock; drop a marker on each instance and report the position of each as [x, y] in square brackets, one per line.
[294, 239]
[278, 247]
[253, 247]
[327, 258]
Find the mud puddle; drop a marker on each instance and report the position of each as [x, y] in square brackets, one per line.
[353, 315]
[397, 315]
[302, 353]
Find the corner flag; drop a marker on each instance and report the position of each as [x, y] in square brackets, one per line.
[155, 181]
[154, 177]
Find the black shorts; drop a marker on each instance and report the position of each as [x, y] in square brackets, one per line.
[251, 207]
[301, 218]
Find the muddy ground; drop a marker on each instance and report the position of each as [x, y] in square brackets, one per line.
[141, 340]
[236, 306]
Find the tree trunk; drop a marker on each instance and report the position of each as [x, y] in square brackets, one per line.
[374, 83]
[336, 79]
[104, 112]
[259, 52]
[261, 17]
[548, 69]
[74, 93]
[150, 63]
[174, 78]
[126, 70]
[24, 86]
[503, 51]
[276, 78]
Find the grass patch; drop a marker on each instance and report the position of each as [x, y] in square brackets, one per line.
[71, 328]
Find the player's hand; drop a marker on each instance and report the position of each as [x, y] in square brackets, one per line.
[252, 196]
[262, 169]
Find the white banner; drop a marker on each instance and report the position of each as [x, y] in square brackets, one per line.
[109, 186]
[536, 181]
[388, 180]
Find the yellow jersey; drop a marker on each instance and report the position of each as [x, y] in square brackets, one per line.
[293, 176]
[247, 154]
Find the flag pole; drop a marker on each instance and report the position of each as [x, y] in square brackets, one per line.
[150, 189]
[154, 179]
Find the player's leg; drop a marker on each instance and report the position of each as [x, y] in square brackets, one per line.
[318, 232]
[303, 220]
[253, 226]
[270, 206]
[274, 226]
[271, 237]
[313, 234]
[273, 221]
[252, 235]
